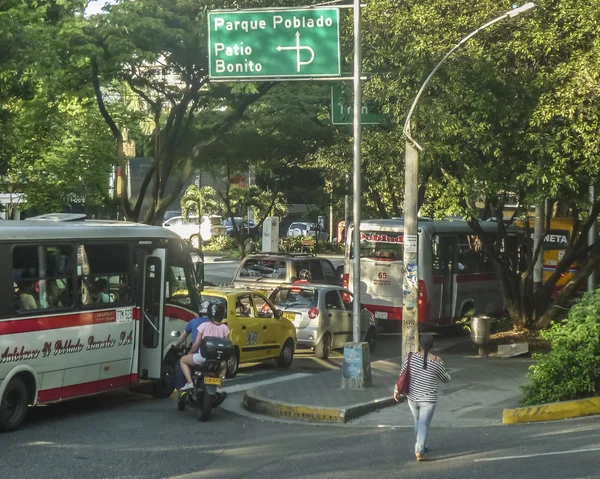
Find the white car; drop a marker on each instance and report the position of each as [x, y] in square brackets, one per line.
[301, 228]
[209, 227]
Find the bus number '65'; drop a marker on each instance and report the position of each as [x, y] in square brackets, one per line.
[382, 275]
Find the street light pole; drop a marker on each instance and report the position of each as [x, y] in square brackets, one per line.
[411, 177]
[357, 171]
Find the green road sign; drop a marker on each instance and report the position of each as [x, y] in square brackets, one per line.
[292, 43]
[342, 110]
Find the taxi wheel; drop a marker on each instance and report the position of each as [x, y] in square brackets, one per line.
[287, 354]
[233, 364]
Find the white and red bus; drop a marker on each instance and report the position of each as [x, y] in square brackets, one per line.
[88, 307]
[454, 275]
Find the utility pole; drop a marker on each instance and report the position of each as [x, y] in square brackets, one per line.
[410, 315]
[357, 172]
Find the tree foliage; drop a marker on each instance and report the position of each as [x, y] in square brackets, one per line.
[513, 112]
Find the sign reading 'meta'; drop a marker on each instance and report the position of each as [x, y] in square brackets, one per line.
[274, 43]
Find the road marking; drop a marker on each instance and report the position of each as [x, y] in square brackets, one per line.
[264, 382]
[525, 456]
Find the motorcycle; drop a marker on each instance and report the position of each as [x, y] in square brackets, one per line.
[203, 397]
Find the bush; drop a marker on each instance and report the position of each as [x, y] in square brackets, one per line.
[572, 369]
[219, 243]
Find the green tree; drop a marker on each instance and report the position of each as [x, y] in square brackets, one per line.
[203, 201]
[158, 49]
[51, 149]
[513, 113]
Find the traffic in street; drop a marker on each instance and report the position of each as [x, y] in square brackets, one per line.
[127, 435]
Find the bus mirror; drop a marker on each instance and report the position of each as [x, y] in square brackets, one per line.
[198, 262]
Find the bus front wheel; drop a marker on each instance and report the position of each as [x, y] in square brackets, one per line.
[164, 387]
[13, 408]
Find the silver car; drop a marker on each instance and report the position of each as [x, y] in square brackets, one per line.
[322, 315]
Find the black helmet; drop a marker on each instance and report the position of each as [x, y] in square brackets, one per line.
[304, 275]
[216, 312]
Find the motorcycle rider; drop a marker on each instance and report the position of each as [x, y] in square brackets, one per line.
[191, 328]
[214, 328]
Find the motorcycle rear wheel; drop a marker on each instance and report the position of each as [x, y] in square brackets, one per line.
[181, 402]
[204, 407]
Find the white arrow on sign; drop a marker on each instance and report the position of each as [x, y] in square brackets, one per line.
[298, 49]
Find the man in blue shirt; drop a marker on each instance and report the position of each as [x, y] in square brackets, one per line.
[191, 328]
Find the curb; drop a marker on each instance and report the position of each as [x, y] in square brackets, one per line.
[256, 403]
[552, 411]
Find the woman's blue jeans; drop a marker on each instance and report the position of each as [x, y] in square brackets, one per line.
[423, 413]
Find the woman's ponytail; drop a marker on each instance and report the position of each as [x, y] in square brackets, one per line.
[426, 342]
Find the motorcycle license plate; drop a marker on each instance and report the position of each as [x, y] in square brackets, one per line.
[215, 381]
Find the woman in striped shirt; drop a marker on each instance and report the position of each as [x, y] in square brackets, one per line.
[424, 373]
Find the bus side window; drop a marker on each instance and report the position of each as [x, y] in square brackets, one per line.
[104, 273]
[45, 285]
[26, 276]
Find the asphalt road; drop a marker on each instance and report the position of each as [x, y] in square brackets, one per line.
[126, 435]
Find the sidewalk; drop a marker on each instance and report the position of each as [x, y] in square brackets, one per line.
[479, 391]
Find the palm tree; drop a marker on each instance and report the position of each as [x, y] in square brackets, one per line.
[203, 201]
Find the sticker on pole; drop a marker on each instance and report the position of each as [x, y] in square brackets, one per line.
[410, 243]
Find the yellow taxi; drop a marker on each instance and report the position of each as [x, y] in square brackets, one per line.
[259, 331]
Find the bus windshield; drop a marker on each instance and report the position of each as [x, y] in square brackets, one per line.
[381, 245]
[181, 283]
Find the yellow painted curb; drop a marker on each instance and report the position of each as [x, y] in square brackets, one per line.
[254, 402]
[552, 411]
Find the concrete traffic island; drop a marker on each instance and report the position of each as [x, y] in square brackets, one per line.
[320, 398]
[479, 392]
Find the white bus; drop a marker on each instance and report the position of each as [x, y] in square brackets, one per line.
[88, 307]
[454, 275]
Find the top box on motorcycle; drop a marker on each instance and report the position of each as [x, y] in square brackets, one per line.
[216, 348]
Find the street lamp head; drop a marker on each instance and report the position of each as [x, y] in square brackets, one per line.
[521, 9]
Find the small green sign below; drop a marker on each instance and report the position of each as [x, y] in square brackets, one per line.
[274, 44]
[342, 111]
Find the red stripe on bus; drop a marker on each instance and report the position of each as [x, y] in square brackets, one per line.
[86, 389]
[72, 320]
[56, 322]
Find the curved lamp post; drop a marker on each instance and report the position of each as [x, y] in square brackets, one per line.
[411, 182]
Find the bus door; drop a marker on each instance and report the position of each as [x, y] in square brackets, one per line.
[447, 254]
[152, 320]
